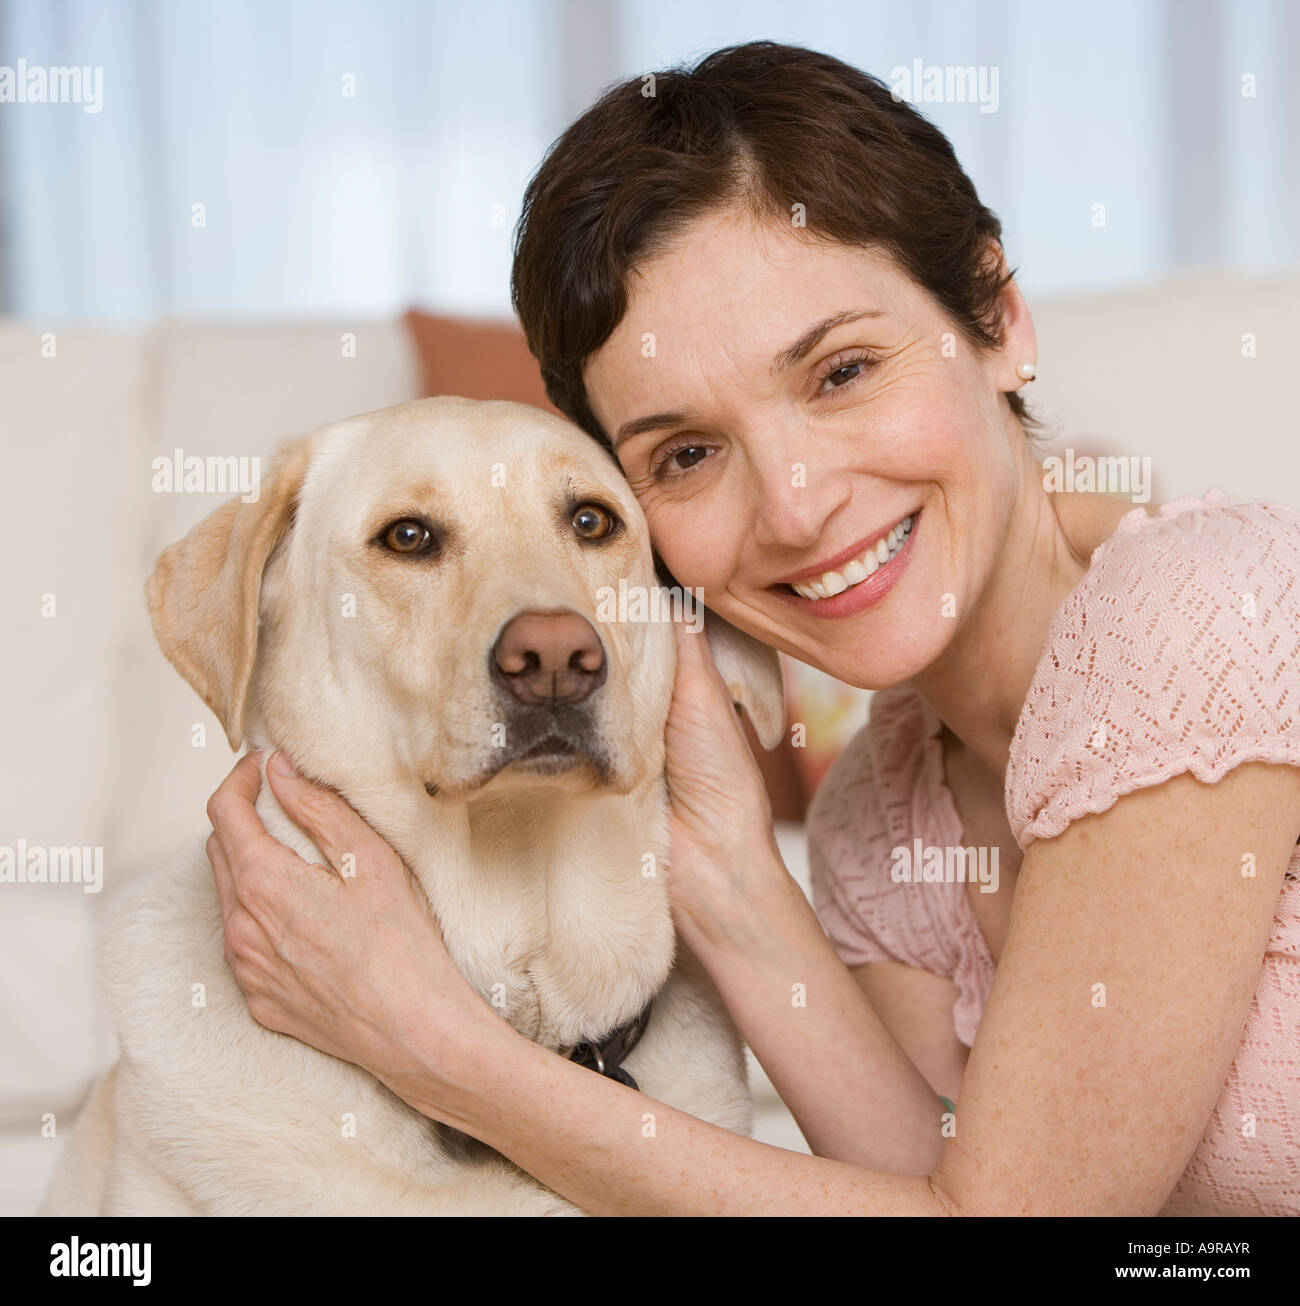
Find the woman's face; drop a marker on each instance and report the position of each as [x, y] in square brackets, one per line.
[779, 404]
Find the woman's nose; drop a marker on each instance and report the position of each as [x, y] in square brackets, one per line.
[794, 498]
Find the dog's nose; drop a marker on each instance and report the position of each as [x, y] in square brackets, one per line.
[549, 657]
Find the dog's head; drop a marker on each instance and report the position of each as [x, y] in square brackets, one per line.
[422, 595]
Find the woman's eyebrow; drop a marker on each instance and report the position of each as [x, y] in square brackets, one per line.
[655, 422]
[811, 338]
[785, 360]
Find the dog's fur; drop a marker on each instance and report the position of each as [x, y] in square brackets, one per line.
[371, 670]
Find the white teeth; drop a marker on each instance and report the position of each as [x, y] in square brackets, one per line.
[854, 573]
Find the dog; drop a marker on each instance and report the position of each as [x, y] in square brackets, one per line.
[411, 610]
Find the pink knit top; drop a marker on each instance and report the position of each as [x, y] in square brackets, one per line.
[1182, 643]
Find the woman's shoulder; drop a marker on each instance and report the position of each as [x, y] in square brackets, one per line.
[1221, 532]
[1179, 650]
[1216, 569]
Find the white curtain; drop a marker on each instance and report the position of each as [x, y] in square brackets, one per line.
[356, 156]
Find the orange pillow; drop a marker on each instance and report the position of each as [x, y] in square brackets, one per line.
[480, 360]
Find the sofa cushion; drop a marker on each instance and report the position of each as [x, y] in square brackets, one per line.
[479, 360]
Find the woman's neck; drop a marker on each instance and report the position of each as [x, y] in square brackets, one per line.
[979, 684]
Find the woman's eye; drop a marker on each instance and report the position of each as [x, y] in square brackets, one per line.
[592, 522]
[844, 372]
[680, 460]
[408, 536]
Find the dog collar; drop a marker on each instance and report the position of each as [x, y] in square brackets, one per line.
[606, 1056]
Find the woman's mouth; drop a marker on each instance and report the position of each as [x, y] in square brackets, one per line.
[862, 581]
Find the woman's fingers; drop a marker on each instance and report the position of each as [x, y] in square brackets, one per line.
[243, 783]
[296, 945]
[702, 706]
[222, 874]
[334, 827]
[241, 934]
[695, 669]
[718, 814]
[235, 822]
[693, 650]
[236, 828]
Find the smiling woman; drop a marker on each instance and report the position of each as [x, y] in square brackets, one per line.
[773, 291]
[824, 149]
[767, 286]
[756, 279]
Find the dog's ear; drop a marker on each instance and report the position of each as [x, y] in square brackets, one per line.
[205, 590]
[752, 674]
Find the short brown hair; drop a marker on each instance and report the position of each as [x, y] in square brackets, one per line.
[760, 125]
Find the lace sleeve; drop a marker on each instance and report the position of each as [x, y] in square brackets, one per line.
[1178, 652]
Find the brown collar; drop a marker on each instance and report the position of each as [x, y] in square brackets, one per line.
[606, 1056]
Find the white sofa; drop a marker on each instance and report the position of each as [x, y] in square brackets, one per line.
[97, 728]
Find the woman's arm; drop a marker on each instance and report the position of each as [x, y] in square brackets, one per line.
[916, 1007]
[356, 968]
[1077, 1099]
[853, 1091]
[349, 965]
[613, 1151]
[1133, 952]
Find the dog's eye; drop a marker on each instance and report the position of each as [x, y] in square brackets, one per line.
[592, 522]
[408, 536]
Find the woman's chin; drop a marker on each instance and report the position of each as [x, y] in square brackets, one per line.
[872, 671]
[867, 652]
[877, 660]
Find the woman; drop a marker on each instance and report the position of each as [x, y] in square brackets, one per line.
[770, 288]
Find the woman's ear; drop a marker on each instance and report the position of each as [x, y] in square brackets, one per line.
[1019, 340]
[205, 590]
[752, 674]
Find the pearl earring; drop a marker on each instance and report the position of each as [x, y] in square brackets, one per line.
[1026, 371]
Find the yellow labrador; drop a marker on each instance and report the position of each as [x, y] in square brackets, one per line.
[417, 610]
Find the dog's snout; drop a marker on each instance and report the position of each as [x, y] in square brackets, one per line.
[549, 657]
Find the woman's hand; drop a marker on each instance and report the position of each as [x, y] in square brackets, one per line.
[725, 861]
[354, 966]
